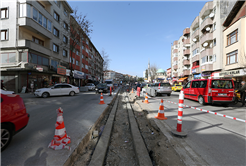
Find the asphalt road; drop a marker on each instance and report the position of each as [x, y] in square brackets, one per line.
[217, 140]
[30, 146]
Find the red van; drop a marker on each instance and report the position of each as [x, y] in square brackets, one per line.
[210, 91]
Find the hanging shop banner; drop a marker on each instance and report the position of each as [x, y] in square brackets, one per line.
[61, 70]
[67, 72]
[203, 68]
[88, 76]
[197, 76]
[78, 74]
[206, 74]
[193, 70]
[233, 73]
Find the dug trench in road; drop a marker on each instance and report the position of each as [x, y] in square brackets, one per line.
[123, 147]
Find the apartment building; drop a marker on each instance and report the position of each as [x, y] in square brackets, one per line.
[203, 43]
[34, 42]
[110, 74]
[234, 45]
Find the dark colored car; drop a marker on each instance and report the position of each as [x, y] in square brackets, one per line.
[102, 87]
[13, 117]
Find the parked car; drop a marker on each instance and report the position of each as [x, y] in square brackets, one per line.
[165, 88]
[177, 87]
[210, 91]
[13, 117]
[102, 87]
[57, 90]
[90, 86]
[6, 92]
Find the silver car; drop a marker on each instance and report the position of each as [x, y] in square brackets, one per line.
[165, 88]
[90, 86]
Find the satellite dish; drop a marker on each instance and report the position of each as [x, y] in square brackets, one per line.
[208, 29]
[194, 40]
[211, 15]
[184, 48]
[205, 44]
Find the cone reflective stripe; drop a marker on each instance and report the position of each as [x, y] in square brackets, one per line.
[101, 99]
[180, 112]
[159, 87]
[61, 139]
[161, 114]
[146, 99]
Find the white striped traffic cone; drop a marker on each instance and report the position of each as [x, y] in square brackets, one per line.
[101, 99]
[161, 114]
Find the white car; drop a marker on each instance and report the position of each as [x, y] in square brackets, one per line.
[57, 90]
[6, 92]
[90, 86]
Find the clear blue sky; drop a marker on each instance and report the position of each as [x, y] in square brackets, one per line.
[134, 32]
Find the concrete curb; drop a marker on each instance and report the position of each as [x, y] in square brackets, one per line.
[78, 150]
[102, 146]
[139, 145]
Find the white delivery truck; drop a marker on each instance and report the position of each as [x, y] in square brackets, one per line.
[109, 83]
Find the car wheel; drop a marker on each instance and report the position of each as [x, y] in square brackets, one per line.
[72, 93]
[201, 100]
[6, 136]
[45, 95]
[169, 94]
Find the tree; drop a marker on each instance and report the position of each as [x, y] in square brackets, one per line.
[140, 79]
[106, 59]
[153, 70]
[80, 28]
[146, 73]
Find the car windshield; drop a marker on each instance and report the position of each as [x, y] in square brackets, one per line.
[108, 82]
[222, 84]
[165, 84]
[102, 84]
[88, 84]
[177, 85]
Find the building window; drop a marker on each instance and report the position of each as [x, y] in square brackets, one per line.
[214, 26]
[56, 16]
[54, 65]
[38, 41]
[65, 25]
[36, 59]
[35, 14]
[77, 52]
[4, 34]
[4, 13]
[231, 57]
[8, 58]
[83, 66]
[40, 18]
[55, 48]
[77, 63]
[82, 56]
[56, 32]
[83, 47]
[64, 53]
[65, 39]
[232, 38]
[49, 25]
[45, 22]
[65, 12]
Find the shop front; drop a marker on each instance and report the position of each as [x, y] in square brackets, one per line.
[197, 76]
[206, 74]
[183, 80]
[78, 77]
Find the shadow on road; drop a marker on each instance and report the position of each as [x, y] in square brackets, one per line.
[37, 159]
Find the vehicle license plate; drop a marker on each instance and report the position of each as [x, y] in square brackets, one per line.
[222, 94]
[100, 90]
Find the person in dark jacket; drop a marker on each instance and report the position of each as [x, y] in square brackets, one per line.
[242, 92]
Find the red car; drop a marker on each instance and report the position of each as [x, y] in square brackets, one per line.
[13, 117]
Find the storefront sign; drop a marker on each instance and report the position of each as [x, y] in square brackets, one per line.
[193, 70]
[39, 68]
[206, 74]
[67, 72]
[197, 76]
[88, 76]
[61, 70]
[203, 68]
[78, 74]
[232, 73]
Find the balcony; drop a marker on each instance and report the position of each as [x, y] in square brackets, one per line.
[195, 70]
[186, 52]
[34, 46]
[195, 45]
[175, 74]
[35, 27]
[186, 31]
[208, 21]
[175, 42]
[175, 59]
[195, 23]
[186, 72]
[186, 41]
[186, 62]
[175, 67]
[175, 51]
[206, 52]
[207, 8]
[207, 67]
[206, 37]
[195, 34]
[195, 58]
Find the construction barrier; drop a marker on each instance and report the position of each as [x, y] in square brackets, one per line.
[110, 90]
[138, 91]
[61, 139]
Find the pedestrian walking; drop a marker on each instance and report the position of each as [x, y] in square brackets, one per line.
[242, 93]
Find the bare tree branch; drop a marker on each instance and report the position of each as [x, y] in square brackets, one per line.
[106, 59]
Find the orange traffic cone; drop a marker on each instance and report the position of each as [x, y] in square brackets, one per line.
[132, 90]
[101, 99]
[161, 114]
[146, 99]
[61, 139]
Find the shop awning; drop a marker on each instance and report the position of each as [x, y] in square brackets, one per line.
[182, 79]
